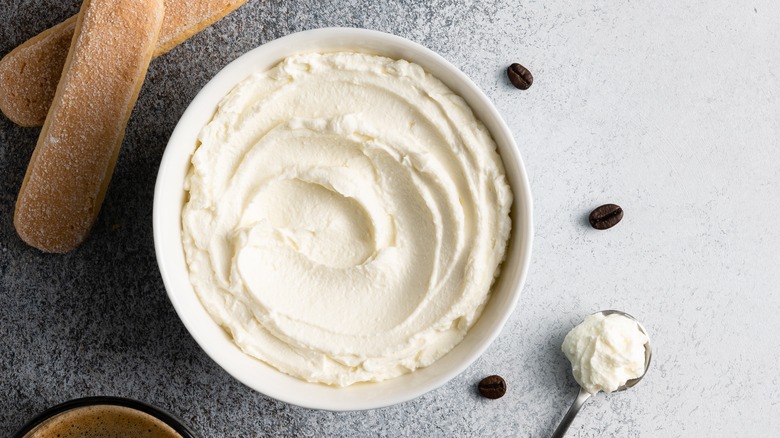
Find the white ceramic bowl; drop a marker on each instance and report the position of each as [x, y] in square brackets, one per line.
[169, 197]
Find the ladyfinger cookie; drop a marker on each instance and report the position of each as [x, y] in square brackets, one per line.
[74, 158]
[29, 73]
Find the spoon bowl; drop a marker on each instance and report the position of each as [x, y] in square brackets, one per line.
[584, 395]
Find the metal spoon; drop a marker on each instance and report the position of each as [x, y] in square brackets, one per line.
[583, 396]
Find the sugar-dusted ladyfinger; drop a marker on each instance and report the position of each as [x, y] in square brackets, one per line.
[74, 158]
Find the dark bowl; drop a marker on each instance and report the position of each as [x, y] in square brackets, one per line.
[157, 413]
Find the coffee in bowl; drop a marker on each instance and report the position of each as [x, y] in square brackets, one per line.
[106, 418]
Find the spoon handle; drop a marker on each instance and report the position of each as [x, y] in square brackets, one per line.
[582, 397]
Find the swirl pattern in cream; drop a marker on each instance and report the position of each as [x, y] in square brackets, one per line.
[346, 218]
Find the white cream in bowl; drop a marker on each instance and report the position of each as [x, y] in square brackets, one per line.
[346, 217]
[170, 197]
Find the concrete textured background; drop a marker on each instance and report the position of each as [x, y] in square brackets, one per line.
[668, 108]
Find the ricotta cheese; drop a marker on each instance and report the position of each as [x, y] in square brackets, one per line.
[346, 217]
[605, 352]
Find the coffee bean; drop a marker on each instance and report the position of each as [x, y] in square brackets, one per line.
[492, 387]
[606, 216]
[519, 76]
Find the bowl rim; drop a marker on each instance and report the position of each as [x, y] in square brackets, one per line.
[346, 37]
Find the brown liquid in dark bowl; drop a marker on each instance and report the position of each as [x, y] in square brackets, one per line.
[104, 421]
[104, 417]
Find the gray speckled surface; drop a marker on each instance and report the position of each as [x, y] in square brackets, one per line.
[667, 108]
